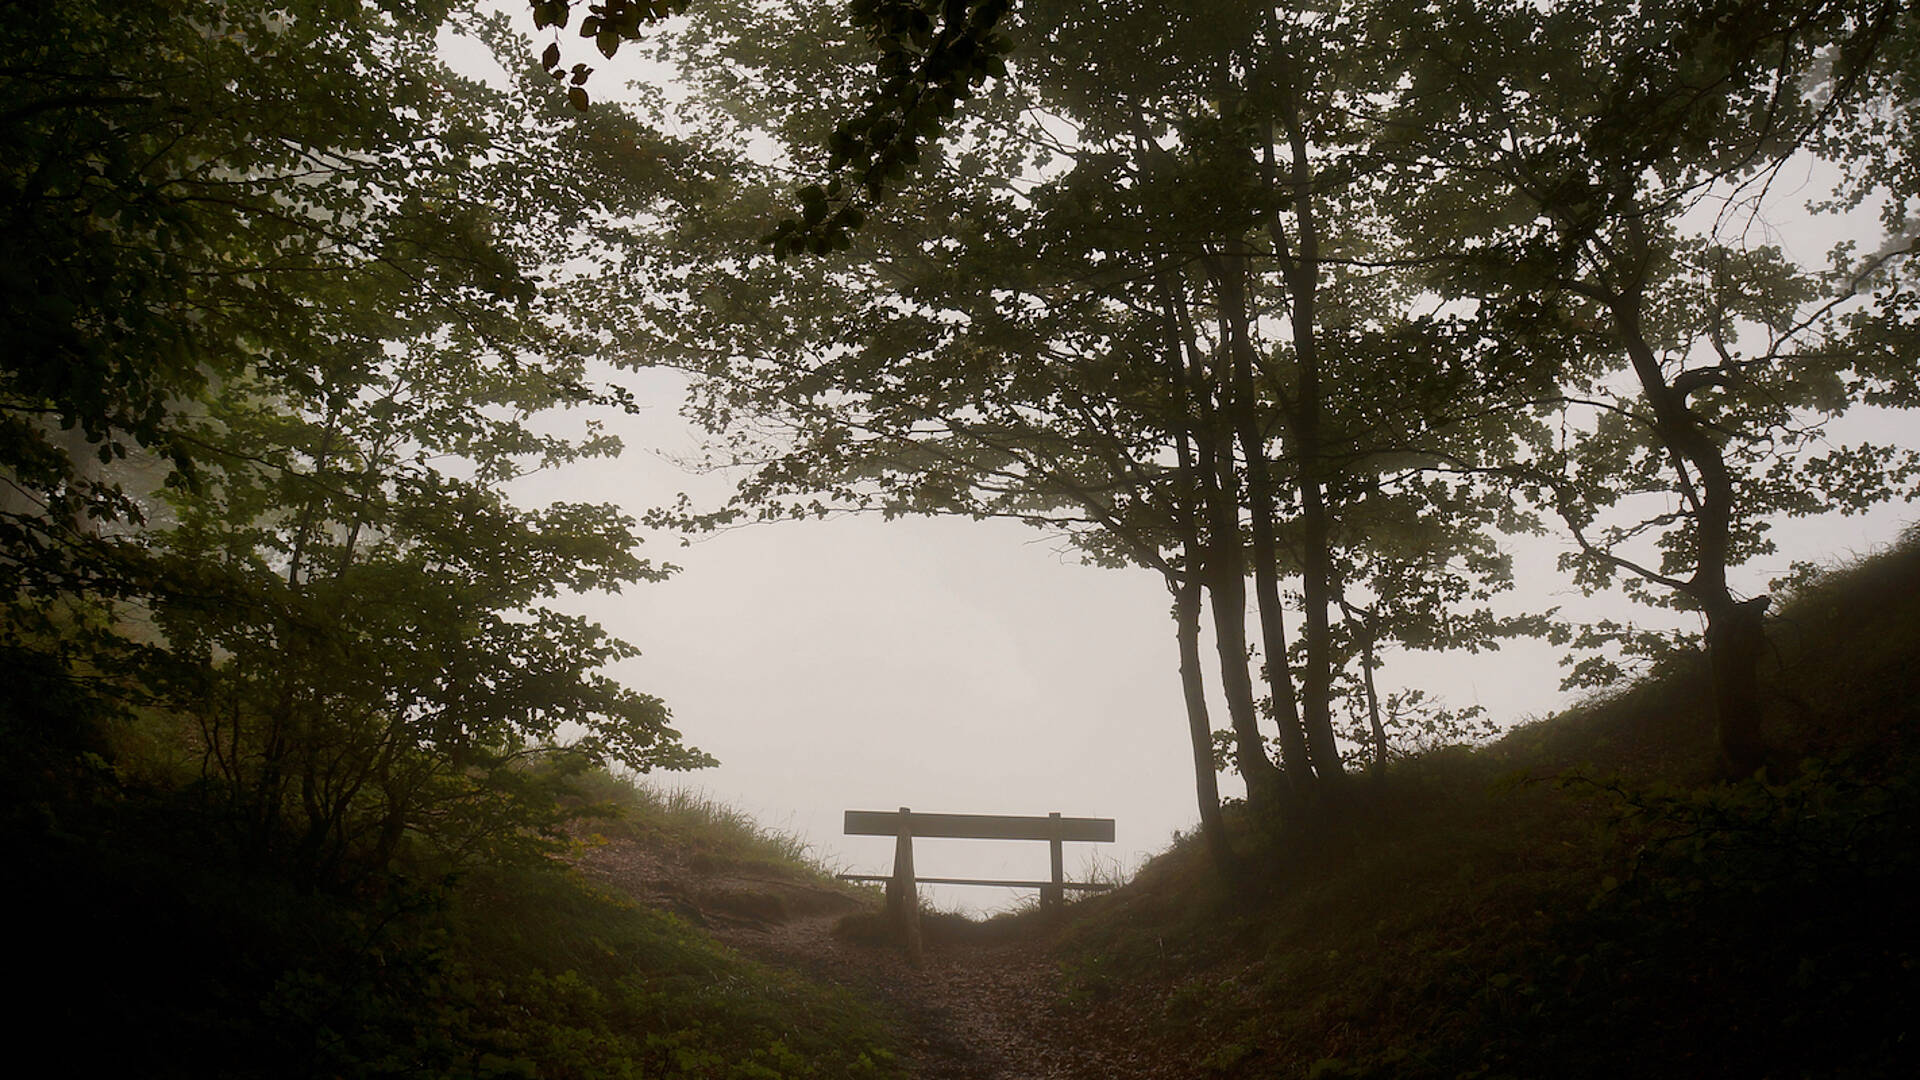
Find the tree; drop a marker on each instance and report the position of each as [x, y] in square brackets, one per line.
[298, 301]
[1574, 148]
[923, 58]
[1087, 310]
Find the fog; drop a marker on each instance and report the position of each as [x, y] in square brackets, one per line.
[979, 667]
[958, 666]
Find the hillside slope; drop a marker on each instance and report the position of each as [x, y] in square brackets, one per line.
[150, 950]
[985, 1003]
[1579, 899]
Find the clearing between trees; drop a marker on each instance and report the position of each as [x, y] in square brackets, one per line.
[1582, 898]
[986, 1003]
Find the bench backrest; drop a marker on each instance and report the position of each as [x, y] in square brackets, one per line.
[978, 826]
[903, 904]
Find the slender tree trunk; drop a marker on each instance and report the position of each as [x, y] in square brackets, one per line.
[1736, 635]
[1373, 700]
[1224, 571]
[1302, 271]
[1368, 622]
[1227, 584]
[1213, 826]
[1230, 282]
[1187, 587]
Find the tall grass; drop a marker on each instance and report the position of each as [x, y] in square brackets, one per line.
[691, 823]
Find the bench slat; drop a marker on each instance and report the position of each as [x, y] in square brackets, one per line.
[1084, 886]
[979, 826]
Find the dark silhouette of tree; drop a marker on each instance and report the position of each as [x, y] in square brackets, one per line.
[1102, 332]
[284, 308]
[1564, 176]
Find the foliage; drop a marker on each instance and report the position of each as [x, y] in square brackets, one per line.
[1414, 722]
[1602, 186]
[1086, 320]
[302, 717]
[1323, 299]
[925, 58]
[298, 313]
[1302, 296]
[933, 55]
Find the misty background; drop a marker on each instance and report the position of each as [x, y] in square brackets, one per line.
[979, 667]
[963, 666]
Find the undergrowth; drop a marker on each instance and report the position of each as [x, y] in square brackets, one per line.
[147, 959]
[1580, 899]
[153, 947]
[695, 825]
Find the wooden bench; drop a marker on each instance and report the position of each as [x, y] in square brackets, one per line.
[903, 898]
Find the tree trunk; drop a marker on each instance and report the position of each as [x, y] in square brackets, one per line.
[1224, 574]
[1213, 826]
[1736, 640]
[1367, 664]
[1230, 281]
[1736, 634]
[1228, 588]
[1187, 588]
[1302, 271]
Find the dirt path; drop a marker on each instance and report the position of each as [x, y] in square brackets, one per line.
[970, 1011]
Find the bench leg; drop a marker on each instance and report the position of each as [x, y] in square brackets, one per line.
[1053, 895]
[903, 895]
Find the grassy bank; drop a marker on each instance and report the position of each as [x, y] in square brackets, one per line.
[149, 953]
[1579, 899]
[694, 827]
